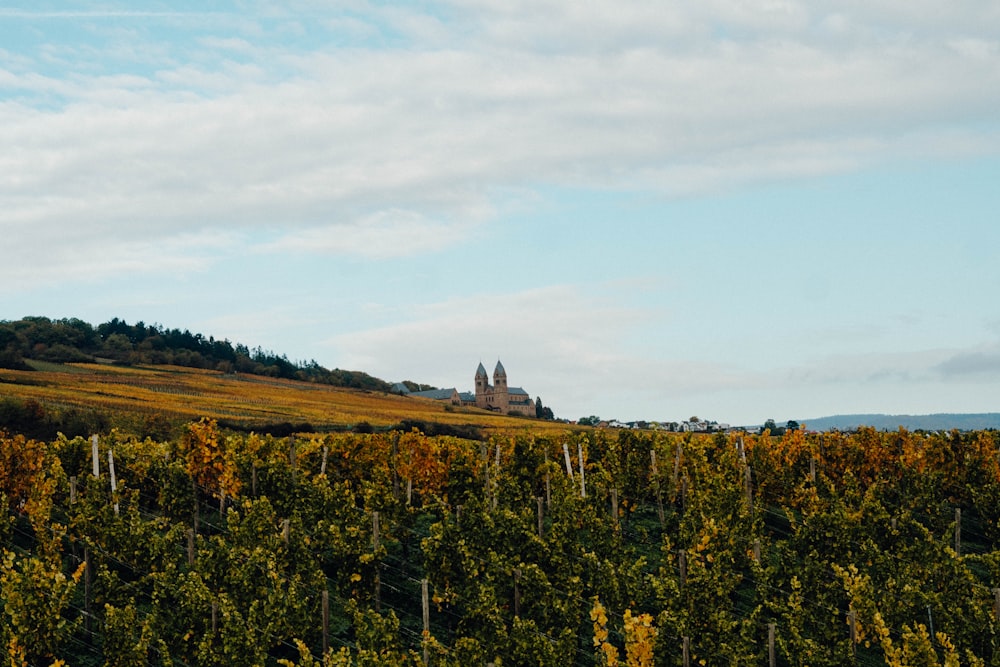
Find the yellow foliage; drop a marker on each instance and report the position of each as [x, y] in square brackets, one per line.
[22, 463]
[210, 460]
[607, 653]
[640, 636]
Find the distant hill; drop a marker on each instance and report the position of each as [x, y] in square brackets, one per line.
[936, 422]
[68, 376]
[157, 401]
[26, 342]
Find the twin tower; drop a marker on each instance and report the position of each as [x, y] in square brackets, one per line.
[499, 397]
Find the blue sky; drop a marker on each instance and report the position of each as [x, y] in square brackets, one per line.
[736, 210]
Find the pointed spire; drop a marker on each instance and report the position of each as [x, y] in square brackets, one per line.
[499, 369]
[481, 371]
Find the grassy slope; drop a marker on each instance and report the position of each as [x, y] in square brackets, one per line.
[187, 393]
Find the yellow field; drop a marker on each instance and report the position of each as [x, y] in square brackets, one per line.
[187, 393]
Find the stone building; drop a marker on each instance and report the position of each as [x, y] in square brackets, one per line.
[498, 397]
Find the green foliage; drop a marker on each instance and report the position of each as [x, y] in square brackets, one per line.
[718, 541]
[36, 594]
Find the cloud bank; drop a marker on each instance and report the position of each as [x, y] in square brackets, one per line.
[437, 109]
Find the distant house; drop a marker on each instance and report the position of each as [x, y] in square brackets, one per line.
[450, 395]
[694, 427]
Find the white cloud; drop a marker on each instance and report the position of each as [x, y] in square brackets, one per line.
[40, 259]
[382, 235]
[674, 98]
[980, 363]
[560, 341]
[98, 14]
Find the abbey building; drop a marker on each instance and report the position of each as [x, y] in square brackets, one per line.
[498, 397]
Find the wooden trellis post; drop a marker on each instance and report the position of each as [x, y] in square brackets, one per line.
[322, 465]
[426, 603]
[326, 622]
[548, 486]
[94, 456]
[517, 591]
[655, 474]
[395, 458]
[493, 490]
[771, 657]
[686, 651]
[376, 542]
[682, 566]
[86, 587]
[541, 517]
[196, 513]
[852, 623]
[569, 464]
[583, 482]
[614, 508]
[958, 531]
[677, 464]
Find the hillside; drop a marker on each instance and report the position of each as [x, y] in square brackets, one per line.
[75, 341]
[935, 422]
[84, 398]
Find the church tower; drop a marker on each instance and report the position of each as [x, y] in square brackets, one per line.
[500, 387]
[482, 386]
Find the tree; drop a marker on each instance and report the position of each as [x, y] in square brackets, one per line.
[541, 411]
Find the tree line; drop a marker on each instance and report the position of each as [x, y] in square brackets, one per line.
[72, 340]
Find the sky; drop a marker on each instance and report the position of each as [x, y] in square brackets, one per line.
[731, 209]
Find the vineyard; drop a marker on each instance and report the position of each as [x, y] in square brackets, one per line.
[557, 548]
[151, 399]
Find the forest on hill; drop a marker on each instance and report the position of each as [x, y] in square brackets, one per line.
[73, 340]
[577, 549]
